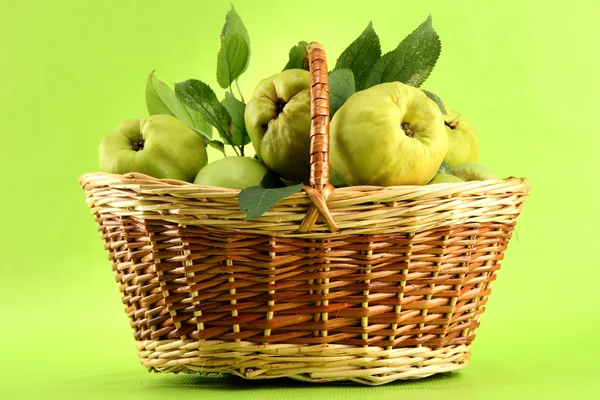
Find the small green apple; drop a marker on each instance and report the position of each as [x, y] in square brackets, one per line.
[278, 122]
[444, 178]
[474, 172]
[389, 134]
[160, 146]
[234, 172]
[463, 142]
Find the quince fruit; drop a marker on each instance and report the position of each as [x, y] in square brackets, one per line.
[463, 143]
[278, 122]
[389, 134]
[160, 146]
[444, 178]
[234, 172]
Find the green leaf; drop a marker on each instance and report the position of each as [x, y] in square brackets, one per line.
[198, 96]
[361, 56]
[341, 86]
[444, 168]
[257, 200]
[232, 59]
[234, 24]
[412, 61]
[236, 109]
[161, 99]
[437, 100]
[298, 57]
[216, 144]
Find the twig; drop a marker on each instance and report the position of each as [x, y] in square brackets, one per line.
[237, 83]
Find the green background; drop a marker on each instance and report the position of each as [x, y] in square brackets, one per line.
[523, 72]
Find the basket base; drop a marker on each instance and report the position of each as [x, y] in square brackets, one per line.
[318, 363]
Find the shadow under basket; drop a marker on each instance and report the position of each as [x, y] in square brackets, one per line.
[362, 283]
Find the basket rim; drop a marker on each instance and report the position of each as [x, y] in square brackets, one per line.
[141, 181]
[354, 210]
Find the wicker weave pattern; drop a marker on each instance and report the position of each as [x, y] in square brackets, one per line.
[190, 269]
[366, 365]
[356, 209]
[370, 284]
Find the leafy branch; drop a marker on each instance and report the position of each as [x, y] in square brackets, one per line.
[196, 104]
[411, 62]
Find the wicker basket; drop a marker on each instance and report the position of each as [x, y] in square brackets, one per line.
[368, 284]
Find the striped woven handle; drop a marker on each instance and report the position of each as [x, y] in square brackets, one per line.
[319, 189]
[319, 112]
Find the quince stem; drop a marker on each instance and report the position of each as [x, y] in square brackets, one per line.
[237, 83]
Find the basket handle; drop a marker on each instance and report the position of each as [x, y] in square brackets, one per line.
[319, 114]
[320, 188]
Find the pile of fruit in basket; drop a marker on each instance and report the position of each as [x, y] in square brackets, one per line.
[385, 130]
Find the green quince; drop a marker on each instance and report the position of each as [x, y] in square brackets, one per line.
[278, 122]
[389, 134]
[463, 143]
[234, 172]
[160, 146]
[444, 178]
